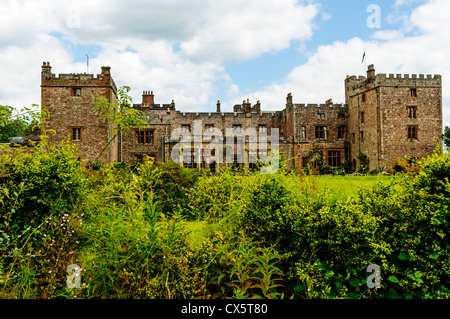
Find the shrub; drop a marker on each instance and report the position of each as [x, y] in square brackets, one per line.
[37, 184]
[173, 187]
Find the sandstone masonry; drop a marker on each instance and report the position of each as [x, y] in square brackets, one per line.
[384, 117]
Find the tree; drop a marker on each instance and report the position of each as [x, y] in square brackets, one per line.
[120, 114]
[20, 124]
[315, 159]
[446, 137]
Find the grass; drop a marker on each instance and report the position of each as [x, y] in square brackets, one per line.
[339, 187]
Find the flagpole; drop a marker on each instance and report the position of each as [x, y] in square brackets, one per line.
[365, 61]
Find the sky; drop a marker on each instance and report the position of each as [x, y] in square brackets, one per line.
[197, 52]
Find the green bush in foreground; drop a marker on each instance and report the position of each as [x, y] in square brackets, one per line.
[265, 236]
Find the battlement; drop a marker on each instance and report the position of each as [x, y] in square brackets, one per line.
[321, 106]
[381, 79]
[80, 79]
[246, 107]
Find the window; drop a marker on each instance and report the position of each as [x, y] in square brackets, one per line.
[361, 136]
[139, 157]
[76, 133]
[342, 132]
[362, 117]
[413, 92]
[321, 116]
[236, 164]
[190, 157]
[412, 112]
[209, 127]
[144, 137]
[305, 161]
[262, 128]
[186, 128]
[363, 97]
[237, 128]
[334, 158]
[321, 132]
[341, 116]
[412, 132]
[76, 91]
[353, 138]
[303, 132]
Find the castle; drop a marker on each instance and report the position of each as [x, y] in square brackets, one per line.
[384, 118]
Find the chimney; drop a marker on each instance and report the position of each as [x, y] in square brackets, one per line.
[289, 99]
[46, 69]
[370, 71]
[106, 70]
[246, 106]
[148, 98]
[257, 107]
[218, 107]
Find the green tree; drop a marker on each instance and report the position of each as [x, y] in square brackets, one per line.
[120, 114]
[446, 137]
[24, 122]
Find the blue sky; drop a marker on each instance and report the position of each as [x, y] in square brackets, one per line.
[200, 51]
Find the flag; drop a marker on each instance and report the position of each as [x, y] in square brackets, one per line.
[364, 56]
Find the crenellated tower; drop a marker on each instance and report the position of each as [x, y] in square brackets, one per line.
[393, 116]
[70, 99]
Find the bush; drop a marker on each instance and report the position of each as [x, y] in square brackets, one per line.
[173, 187]
[37, 184]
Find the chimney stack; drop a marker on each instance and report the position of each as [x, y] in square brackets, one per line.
[218, 107]
[370, 71]
[148, 98]
[46, 69]
[106, 70]
[289, 99]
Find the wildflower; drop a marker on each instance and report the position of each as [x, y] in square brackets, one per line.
[49, 271]
[45, 235]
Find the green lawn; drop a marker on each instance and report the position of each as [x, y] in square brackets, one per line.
[340, 188]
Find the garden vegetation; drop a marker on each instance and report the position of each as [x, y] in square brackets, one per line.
[163, 231]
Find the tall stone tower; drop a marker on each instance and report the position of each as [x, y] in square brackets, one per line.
[70, 99]
[392, 117]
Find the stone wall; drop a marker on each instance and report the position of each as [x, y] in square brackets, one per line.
[385, 101]
[70, 109]
[373, 121]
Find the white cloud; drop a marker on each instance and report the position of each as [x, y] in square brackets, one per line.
[137, 39]
[322, 77]
[240, 30]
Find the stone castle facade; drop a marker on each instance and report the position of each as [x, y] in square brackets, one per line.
[385, 118]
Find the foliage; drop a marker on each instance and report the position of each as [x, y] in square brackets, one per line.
[26, 121]
[119, 114]
[265, 235]
[173, 188]
[446, 137]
